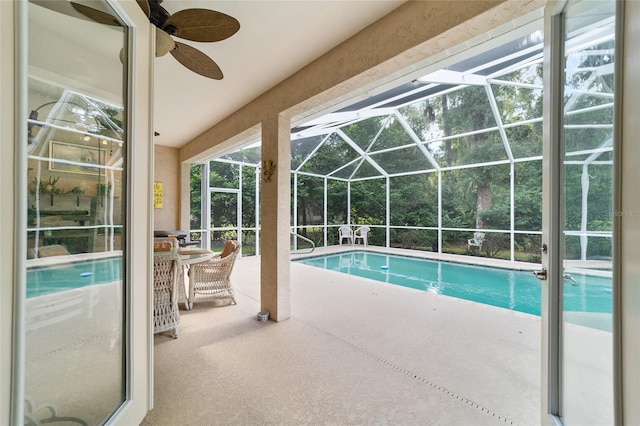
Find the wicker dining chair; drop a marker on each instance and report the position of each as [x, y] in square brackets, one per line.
[163, 244]
[211, 280]
[166, 316]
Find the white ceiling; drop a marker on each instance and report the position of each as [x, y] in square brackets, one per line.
[276, 39]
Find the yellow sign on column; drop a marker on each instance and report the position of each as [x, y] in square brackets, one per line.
[158, 188]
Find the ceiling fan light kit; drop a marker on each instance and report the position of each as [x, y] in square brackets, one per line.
[164, 43]
[201, 25]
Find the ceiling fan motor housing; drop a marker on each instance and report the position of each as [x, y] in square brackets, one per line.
[158, 14]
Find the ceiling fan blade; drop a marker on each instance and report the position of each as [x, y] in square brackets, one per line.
[201, 25]
[96, 15]
[144, 5]
[196, 61]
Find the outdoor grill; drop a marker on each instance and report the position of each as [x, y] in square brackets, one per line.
[180, 235]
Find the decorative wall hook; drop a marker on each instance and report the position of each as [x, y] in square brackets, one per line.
[268, 169]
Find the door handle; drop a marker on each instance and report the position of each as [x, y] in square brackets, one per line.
[541, 274]
[570, 278]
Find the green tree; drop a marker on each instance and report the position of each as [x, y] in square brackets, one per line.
[195, 201]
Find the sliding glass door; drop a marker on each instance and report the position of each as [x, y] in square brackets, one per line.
[579, 223]
[74, 368]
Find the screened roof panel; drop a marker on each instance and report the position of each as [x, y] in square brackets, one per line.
[579, 81]
[517, 103]
[79, 112]
[529, 74]
[421, 118]
[400, 95]
[586, 97]
[91, 119]
[599, 158]
[249, 155]
[599, 115]
[363, 132]
[347, 171]
[392, 135]
[591, 70]
[429, 91]
[593, 156]
[587, 109]
[503, 56]
[466, 110]
[408, 159]
[576, 158]
[478, 148]
[586, 138]
[331, 155]
[381, 97]
[450, 112]
[461, 111]
[302, 148]
[366, 170]
[525, 140]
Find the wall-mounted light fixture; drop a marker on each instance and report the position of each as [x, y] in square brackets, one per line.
[268, 169]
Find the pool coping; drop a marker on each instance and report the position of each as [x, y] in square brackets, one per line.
[71, 258]
[445, 257]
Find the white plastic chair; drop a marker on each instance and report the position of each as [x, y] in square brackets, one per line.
[361, 234]
[345, 231]
[477, 240]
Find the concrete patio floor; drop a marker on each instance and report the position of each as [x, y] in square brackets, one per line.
[355, 351]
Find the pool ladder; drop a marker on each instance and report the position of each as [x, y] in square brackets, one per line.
[295, 244]
[542, 275]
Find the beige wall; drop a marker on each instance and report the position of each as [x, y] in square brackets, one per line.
[166, 169]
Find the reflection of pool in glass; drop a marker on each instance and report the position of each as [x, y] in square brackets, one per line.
[54, 278]
[504, 288]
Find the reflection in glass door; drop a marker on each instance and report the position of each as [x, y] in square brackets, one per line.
[586, 346]
[74, 310]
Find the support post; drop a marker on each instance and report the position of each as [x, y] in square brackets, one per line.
[275, 219]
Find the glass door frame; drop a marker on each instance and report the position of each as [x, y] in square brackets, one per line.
[138, 361]
[552, 234]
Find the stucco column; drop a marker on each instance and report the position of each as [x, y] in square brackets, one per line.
[275, 218]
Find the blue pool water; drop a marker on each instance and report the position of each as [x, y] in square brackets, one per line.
[50, 279]
[505, 288]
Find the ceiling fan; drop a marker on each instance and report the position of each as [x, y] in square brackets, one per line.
[202, 25]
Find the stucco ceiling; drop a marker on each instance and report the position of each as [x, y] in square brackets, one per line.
[276, 39]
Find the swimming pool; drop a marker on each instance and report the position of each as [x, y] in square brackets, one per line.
[504, 288]
[54, 278]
